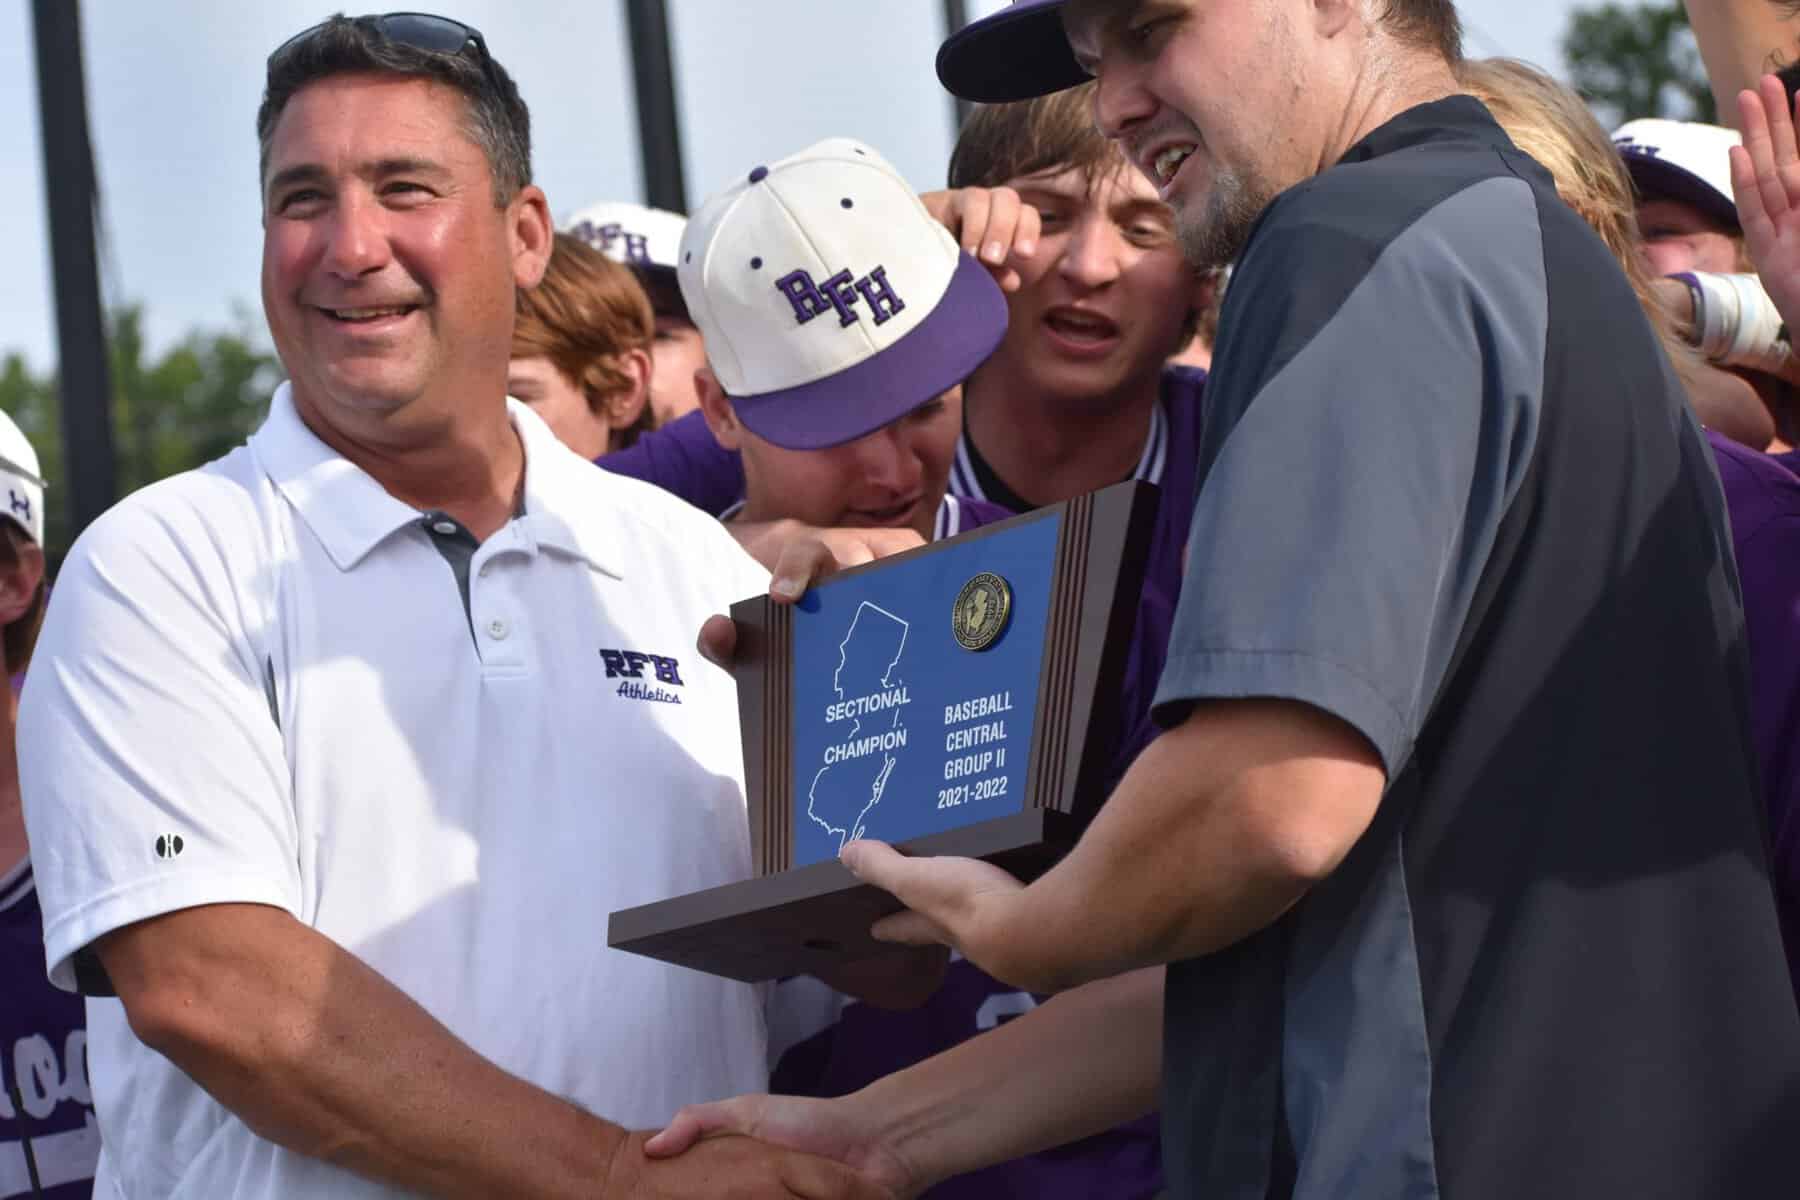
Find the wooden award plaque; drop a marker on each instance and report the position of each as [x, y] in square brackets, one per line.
[961, 698]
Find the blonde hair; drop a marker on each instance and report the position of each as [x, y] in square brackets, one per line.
[1553, 125]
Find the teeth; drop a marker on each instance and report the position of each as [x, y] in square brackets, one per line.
[1170, 160]
[364, 314]
[1076, 322]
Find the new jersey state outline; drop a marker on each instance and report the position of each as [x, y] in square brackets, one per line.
[845, 790]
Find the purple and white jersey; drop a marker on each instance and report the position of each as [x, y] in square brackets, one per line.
[965, 477]
[1170, 461]
[43, 1060]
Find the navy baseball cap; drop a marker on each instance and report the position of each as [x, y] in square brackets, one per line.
[831, 301]
[1015, 54]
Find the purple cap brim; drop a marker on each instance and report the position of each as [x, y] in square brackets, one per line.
[941, 352]
[1015, 54]
[1660, 179]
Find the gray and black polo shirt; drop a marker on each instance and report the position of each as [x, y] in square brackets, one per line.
[1452, 495]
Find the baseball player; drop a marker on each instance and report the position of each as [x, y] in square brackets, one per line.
[49, 1142]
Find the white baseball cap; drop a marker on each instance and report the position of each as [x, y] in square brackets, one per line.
[831, 302]
[22, 480]
[645, 238]
[1681, 160]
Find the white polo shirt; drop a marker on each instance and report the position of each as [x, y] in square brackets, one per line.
[257, 683]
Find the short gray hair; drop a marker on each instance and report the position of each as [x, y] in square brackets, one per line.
[498, 120]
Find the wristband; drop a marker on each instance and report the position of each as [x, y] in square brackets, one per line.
[1735, 322]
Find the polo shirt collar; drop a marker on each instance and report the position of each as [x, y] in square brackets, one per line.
[344, 507]
[350, 513]
[560, 484]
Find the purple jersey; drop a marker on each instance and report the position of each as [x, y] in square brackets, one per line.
[1763, 499]
[684, 458]
[43, 1057]
[1170, 461]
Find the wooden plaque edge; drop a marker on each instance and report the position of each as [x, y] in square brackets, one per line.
[815, 917]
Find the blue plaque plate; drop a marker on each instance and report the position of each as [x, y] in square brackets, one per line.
[899, 729]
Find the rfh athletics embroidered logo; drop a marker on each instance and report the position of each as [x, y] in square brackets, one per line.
[840, 292]
[630, 664]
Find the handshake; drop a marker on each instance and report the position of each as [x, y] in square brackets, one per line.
[762, 1146]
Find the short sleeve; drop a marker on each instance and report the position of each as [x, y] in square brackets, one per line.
[1372, 411]
[150, 759]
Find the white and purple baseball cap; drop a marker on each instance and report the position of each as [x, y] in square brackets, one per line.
[1014, 54]
[21, 481]
[1681, 160]
[831, 302]
[645, 238]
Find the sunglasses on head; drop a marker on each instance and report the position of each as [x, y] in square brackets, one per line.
[421, 31]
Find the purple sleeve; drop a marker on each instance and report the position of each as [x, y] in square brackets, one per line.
[684, 458]
[42, 1031]
[1763, 500]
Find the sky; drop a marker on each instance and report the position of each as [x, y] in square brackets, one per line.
[173, 88]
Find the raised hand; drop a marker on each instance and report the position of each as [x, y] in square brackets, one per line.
[829, 1129]
[729, 1167]
[993, 224]
[1765, 180]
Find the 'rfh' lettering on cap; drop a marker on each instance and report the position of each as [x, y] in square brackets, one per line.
[602, 237]
[838, 294]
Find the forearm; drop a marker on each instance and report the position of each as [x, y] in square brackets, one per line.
[317, 1052]
[1079, 1064]
[1739, 41]
[1215, 831]
[1726, 402]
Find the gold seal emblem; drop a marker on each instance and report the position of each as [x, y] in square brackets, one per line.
[981, 610]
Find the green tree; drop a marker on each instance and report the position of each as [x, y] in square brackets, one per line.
[190, 405]
[1634, 61]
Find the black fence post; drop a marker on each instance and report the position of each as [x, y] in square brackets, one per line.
[71, 191]
[659, 127]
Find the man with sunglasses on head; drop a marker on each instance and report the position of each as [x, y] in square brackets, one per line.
[326, 734]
